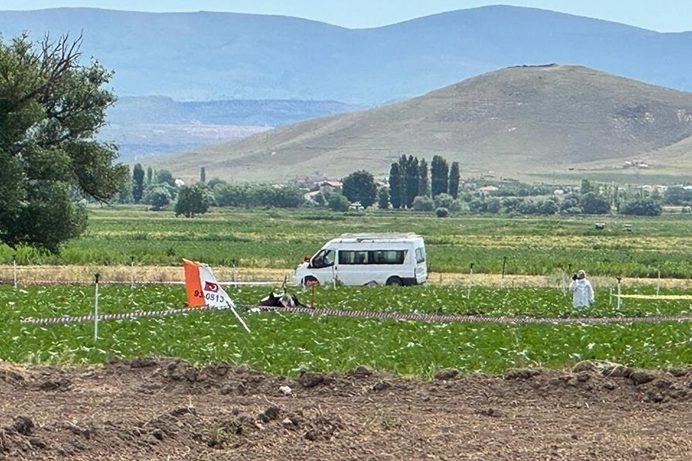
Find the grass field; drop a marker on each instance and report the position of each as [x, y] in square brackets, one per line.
[279, 239]
[245, 240]
[288, 343]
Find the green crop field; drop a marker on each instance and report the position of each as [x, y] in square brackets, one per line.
[280, 239]
[286, 343]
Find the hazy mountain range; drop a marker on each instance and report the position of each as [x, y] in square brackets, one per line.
[213, 56]
[188, 79]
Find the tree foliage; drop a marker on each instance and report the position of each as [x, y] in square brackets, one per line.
[191, 201]
[424, 179]
[454, 179]
[592, 203]
[439, 176]
[642, 207]
[137, 183]
[677, 195]
[51, 108]
[395, 186]
[164, 177]
[383, 198]
[410, 170]
[158, 196]
[338, 202]
[423, 203]
[256, 195]
[360, 187]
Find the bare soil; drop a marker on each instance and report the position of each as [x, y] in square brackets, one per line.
[166, 409]
[174, 274]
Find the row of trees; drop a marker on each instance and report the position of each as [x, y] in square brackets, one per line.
[361, 187]
[409, 178]
[572, 204]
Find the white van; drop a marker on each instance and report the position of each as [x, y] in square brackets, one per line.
[367, 259]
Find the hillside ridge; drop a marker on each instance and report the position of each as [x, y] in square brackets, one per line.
[518, 121]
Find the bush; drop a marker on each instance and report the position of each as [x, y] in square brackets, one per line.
[423, 203]
[447, 201]
[338, 202]
[642, 207]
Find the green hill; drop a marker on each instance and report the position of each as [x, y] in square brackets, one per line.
[520, 122]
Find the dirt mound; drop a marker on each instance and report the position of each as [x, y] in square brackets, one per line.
[167, 409]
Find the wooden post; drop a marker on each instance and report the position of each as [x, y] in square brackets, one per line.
[96, 306]
[468, 296]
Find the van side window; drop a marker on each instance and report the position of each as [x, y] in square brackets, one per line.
[353, 257]
[420, 255]
[389, 256]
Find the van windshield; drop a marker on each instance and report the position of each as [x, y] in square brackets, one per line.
[323, 258]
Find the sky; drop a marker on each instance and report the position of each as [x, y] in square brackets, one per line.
[658, 15]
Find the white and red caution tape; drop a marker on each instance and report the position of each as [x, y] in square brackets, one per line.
[118, 316]
[449, 318]
[404, 316]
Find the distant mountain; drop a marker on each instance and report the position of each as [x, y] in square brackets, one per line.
[150, 110]
[148, 126]
[212, 56]
[519, 122]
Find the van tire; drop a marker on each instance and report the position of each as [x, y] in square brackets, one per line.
[395, 281]
[310, 278]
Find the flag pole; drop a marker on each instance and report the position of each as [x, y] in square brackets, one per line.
[238, 316]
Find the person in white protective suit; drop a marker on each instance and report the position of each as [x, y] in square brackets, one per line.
[582, 290]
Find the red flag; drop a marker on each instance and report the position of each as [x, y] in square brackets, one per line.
[210, 286]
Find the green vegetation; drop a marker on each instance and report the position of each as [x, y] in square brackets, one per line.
[281, 238]
[287, 343]
[51, 108]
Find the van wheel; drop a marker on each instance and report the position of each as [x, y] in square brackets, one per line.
[310, 280]
[395, 281]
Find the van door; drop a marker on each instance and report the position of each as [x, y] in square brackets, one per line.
[352, 267]
[421, 266]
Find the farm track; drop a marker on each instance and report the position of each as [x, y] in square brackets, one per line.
[174, 274]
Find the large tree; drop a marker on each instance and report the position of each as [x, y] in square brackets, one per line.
[439, 176]
[137, 183]
[423, 178]
[360, 187]
[411, 171]
[592, 203]
[191, 201]
[454, 179]
[51, 108]
[396, 185]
